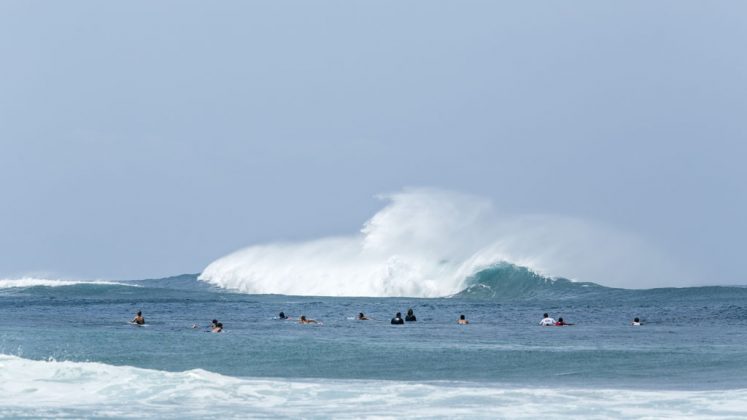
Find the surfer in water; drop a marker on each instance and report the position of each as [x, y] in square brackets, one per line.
[410, 316]
[217, 327]
[138, 320]
[397, 320]
[282, 315]
[303, 320]
[636, 322]
[547, 321]
[562, 323]
[462, 320]
[362, 317]
[213, 326]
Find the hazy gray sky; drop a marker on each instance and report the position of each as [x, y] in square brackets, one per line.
[143, 139]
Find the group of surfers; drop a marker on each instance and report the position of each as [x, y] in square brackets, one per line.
[217, 327]
[547, 321]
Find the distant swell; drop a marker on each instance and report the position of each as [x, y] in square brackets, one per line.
[431, 243]
[34, 282]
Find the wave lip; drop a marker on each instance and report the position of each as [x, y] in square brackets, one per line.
[49, 388]
[27, 282]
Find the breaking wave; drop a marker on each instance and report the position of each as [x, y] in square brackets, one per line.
[433, 243]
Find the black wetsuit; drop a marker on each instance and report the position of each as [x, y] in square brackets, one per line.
[410, 318]
[397, 321]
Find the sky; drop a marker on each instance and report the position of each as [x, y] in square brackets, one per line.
[145, 139]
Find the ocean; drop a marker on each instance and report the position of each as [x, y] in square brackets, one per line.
[67, 350]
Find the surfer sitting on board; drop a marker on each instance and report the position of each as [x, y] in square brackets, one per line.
[462, 320]
[636, 322]
[397, 320]
[547, 321]
[139, 320]
[410, 316]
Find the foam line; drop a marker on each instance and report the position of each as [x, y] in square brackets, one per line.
[49, 388]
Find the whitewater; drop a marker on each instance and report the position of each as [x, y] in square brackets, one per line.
[430, 243]
[42, 389]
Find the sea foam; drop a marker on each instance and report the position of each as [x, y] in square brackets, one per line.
[429, 243]
[31, 388]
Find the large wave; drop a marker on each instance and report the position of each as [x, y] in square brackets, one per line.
[30, 388]
[431, 243]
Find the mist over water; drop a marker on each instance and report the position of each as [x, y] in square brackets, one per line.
[430, 243]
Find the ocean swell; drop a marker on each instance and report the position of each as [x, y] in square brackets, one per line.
[35, 282]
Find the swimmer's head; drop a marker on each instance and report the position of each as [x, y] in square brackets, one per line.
[461, 316]
[360, 315]
[303, 317]
[545, 315]
[282, 314]
[219, 325]
[215, 321]
[139, 313]
[636, 320]
[409, 311]
[560, 319]
[399, 315]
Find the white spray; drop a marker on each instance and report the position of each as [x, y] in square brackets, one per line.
[427, 243]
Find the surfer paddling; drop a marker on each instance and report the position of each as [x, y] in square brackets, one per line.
[304, 320]
[562, 323]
